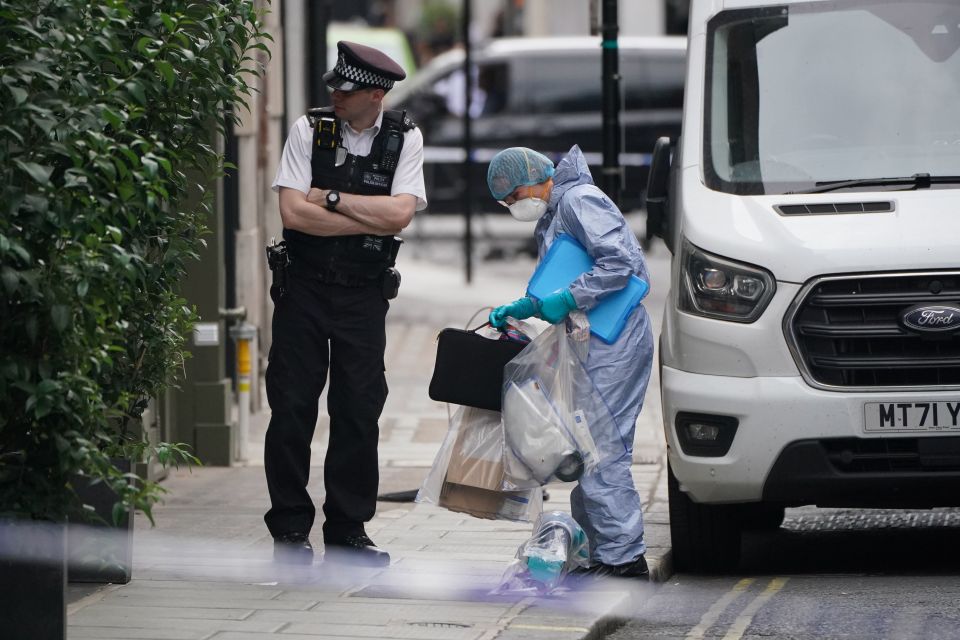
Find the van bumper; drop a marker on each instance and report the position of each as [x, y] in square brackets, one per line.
[798, 445]
[880, 472]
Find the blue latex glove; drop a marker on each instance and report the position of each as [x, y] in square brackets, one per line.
[557, 306]
[519, 309]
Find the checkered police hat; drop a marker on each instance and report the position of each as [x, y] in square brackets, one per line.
[362, 67]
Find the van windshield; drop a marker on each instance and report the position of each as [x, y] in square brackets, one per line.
[816, 92]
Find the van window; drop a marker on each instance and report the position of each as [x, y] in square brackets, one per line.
[489, 95]
[649, 80]
[818, 92]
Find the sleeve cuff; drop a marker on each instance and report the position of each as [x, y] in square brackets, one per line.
[290, 184]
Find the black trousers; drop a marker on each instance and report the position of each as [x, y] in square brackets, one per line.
[317, 328]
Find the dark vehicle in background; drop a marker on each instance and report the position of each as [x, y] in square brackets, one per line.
[546, 94]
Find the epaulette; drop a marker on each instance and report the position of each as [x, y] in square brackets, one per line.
[399, 119]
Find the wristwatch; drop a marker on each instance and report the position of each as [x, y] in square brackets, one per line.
[333, 199]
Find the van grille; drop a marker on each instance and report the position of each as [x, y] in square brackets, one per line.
[845, 332]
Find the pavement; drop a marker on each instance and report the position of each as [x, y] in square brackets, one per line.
[204, 572]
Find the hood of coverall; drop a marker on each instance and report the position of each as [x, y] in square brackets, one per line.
[571, 171]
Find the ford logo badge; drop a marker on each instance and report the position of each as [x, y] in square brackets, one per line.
[931, 318]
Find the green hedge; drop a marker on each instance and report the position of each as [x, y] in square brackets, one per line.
[109, 113]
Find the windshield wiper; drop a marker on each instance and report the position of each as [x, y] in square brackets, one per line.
[916, 181]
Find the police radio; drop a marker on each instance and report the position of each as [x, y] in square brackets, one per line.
[391, 150]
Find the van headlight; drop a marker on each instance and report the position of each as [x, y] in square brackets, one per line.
[719, 288]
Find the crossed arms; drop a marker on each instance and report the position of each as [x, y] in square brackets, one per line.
[355, 214]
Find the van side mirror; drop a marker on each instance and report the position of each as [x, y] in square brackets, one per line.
[658, 185]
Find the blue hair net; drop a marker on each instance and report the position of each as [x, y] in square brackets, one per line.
[517, 167]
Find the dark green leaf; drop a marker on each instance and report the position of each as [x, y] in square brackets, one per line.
[168, 22]
[37, 203]
[166, 70]
[12, 132]
[112, 117]
[60, 314]
[21, 252]
[19, 94]
[118, 512]
[135, 89]
[46, 386]
[43, 407]
[11, 280]
[39, 173]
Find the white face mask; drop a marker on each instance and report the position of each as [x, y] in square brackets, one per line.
[528, 209]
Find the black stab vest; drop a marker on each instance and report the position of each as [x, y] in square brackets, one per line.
[363, 256]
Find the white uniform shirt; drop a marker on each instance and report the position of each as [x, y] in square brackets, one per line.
[295, 172]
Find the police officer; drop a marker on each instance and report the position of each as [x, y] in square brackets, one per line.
[350, 177]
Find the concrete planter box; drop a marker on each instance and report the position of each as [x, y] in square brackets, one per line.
[99, 551]
[33, 580]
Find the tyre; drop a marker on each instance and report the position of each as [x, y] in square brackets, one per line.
[762, 517]
[705, 537]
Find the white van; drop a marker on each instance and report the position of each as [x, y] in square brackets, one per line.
[810, 352]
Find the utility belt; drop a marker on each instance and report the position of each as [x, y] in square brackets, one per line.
[345, 275]
[349, 261]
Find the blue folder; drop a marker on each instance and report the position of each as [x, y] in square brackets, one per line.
[567, 260]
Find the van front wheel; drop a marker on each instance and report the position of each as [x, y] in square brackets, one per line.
[705, 537]
[762, 516]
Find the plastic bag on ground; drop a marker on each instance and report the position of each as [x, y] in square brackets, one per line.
[557, 545]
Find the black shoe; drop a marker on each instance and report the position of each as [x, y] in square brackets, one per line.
[292, 548]
[633, 569]
[359, 550]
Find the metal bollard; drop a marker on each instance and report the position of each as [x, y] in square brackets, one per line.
[243, 333]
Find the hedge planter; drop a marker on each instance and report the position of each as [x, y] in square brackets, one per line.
[108, 172]
[101, 551]
[33, 580]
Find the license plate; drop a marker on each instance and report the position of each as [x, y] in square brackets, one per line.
[911, 416]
